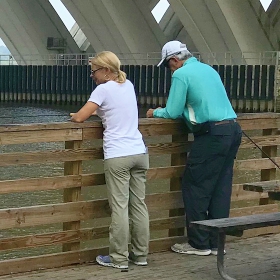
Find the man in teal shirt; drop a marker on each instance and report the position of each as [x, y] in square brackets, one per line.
[197, 95]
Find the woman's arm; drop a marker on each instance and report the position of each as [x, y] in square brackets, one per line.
[84, 113]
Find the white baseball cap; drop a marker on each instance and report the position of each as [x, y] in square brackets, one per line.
[171, 48]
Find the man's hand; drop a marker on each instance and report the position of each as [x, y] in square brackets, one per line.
[149, 113]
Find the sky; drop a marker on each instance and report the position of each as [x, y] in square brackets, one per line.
[157, 12]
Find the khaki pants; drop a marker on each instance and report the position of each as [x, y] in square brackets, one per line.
[125, 179]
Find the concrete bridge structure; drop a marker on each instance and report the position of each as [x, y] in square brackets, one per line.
[34, 32]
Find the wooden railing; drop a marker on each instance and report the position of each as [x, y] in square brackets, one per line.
[54, 206]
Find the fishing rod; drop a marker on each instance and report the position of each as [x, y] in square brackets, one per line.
[261, 149]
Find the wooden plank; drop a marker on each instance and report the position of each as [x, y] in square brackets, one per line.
[47, 239]
[72, 194]
[40, 184]
[167, 148]
[255, 164]
[261, 231]
[240, 223]
[164, 201]
[166, 172]
[101, 232]
[264, 186]
[239, 194]
[237, 212]
[49, 126]
[270, 140]
[93, 179]
[261, 123]
[259, 209]
[19, 137]
[72, 257]
[175, 128]
[50, 156]
[271, 151]
[248, 122]
[255, 116]
[90, 134]
[85, 234]
[49, 261]
[82, 180]
[76, 211]
[175, 182]
[152, 174]
[53, 213]
[7, 159]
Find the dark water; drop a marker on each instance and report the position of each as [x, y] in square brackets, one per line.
[23, 113]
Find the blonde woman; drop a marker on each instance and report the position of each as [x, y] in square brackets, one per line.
[125, 160]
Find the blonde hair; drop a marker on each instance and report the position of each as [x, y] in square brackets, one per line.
[109, 60]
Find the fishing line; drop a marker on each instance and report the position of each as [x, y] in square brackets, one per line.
[261, 149]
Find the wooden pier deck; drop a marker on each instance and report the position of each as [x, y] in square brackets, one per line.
[250, 259]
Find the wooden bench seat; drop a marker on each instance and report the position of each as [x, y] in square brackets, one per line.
[270, 187]
[234, 226]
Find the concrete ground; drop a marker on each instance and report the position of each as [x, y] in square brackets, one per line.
[250, 259]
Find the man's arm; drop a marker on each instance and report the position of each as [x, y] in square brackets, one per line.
[176, 101]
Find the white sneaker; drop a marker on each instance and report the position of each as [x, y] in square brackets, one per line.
[138, 261]
[186, 248]
[144, 263]
[214, 251]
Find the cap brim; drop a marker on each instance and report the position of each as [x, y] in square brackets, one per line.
[160, 62]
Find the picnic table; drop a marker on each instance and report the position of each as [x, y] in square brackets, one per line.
[236, 225]
[272, 188]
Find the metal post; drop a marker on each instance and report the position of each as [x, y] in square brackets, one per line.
[220, 256]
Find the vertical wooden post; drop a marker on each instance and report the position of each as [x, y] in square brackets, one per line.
[175, 183]
[268, 174]
[72, 194]
[277, 84]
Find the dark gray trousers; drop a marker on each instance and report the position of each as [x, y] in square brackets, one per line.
[207, 179]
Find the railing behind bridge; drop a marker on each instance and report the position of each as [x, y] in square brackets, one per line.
[150, 58]
[250, 88]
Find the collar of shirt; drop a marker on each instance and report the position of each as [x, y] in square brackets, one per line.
[190, 60]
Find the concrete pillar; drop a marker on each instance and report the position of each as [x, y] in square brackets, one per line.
[207, 28]
[273, 13]
[223, 26]
[25, 27]
[125, 27]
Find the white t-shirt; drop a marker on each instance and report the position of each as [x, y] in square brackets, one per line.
[119, 114]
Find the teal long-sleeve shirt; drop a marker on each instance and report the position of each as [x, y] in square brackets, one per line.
[197, 94]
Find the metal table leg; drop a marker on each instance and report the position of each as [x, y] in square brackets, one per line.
[220, 256]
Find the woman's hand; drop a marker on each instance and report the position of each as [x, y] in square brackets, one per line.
[84, 113]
